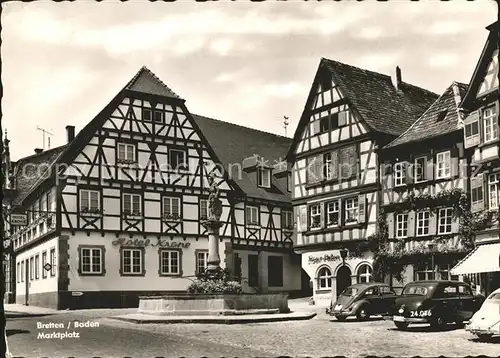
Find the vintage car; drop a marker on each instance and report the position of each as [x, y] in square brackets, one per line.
[363, 300]
[436, 303]
[486, 322]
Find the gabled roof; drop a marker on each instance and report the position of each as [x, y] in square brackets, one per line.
[146, 81]
[29, 170]
[233, 143]
[382, 107]
[484, 60]
[440, 118]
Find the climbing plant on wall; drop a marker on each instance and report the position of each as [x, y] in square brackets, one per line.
[390, 260]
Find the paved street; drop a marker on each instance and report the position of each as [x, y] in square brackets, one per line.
[317, 337]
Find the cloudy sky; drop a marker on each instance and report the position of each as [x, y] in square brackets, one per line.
[246, 63]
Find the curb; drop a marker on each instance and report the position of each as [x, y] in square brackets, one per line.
[216, 320]
[12, 314]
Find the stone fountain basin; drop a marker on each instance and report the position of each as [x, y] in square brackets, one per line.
[214, 304]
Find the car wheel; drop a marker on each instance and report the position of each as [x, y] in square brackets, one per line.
[341, 318]
[401, 325]
[362, 314]
[484, 337]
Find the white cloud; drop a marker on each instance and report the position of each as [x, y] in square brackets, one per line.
[378, 61]
[222, 46]
[225, 77]
[284, 90]
[442, 60]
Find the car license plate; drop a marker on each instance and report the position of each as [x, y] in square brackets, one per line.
[398, 319]
[338, 308]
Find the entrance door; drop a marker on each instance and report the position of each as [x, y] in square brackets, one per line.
[27, 282]
[343, 279]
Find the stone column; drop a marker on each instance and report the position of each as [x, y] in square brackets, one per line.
[213, 227]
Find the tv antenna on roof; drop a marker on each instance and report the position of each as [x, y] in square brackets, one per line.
[285, 123]
[44, 131]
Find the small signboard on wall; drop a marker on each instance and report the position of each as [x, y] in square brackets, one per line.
[18, 219]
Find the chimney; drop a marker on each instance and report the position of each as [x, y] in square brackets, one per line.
[70, 131]
[456, 94]
[396, 81]
[38, 150]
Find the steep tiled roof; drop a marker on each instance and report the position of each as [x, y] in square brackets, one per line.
[439, 119]
[374, 96]
[29, 170]
[146, 81]
[233, 143]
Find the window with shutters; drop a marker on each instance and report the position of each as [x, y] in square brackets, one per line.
[315, 216]
[89, 201]
[490, 124]
[252, 215]
[171, 208]
[477, 194]
[348, 162]
[402, 225]
[443, 161]
[264, 177]
[423, 221]
[419, 169]
[493, 190]
[333, 213]
[400, 174]
[331, 165]
[315, 169]
[351, 210]
[126, 153]
[471, 132]
[132, 204]
[445, 220]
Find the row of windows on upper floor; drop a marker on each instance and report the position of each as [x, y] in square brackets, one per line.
[481, 126]
[424, 223]
[90, 204]
[30, 268]
[335, 213]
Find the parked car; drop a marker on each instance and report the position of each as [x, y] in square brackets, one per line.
[436, 303]
[486, 322]
[363, 300]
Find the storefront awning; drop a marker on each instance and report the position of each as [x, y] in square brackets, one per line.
[484, 258]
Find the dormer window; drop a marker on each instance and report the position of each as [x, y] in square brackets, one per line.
[264, 177]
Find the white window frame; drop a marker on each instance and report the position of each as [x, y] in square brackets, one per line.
[128, 151]
[399, 174]
[490, 124]
[203, 209]
[264, 177]
[423, 222]
[52, 258]
[132, 197]
[493, 191]
[445, 220]
[327, 163]
[324, 281]
[89, 208]
[254, 215]
[144, 110]
[332, 207]
[201, 261]
[365, 275]
[423, 169]
[443, 167]
[168, 207]
[315, 216]
[132, 251]
[402, 225]
[90, 251]
[471, 137]
[44, 262]
[351, 210]
[166, 262]
[287, 220]
[37, 266]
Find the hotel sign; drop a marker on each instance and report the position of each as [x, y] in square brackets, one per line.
[18, 219]
[147, 242]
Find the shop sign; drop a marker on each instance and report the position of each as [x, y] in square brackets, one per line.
[18, 219]
[147, 242]
[313, 260]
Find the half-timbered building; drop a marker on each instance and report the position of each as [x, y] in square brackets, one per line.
[424, 175]
[349, 114]
[117, 211]
[481, 135]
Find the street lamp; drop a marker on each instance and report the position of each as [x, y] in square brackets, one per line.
[432, 247]
[343, 255]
